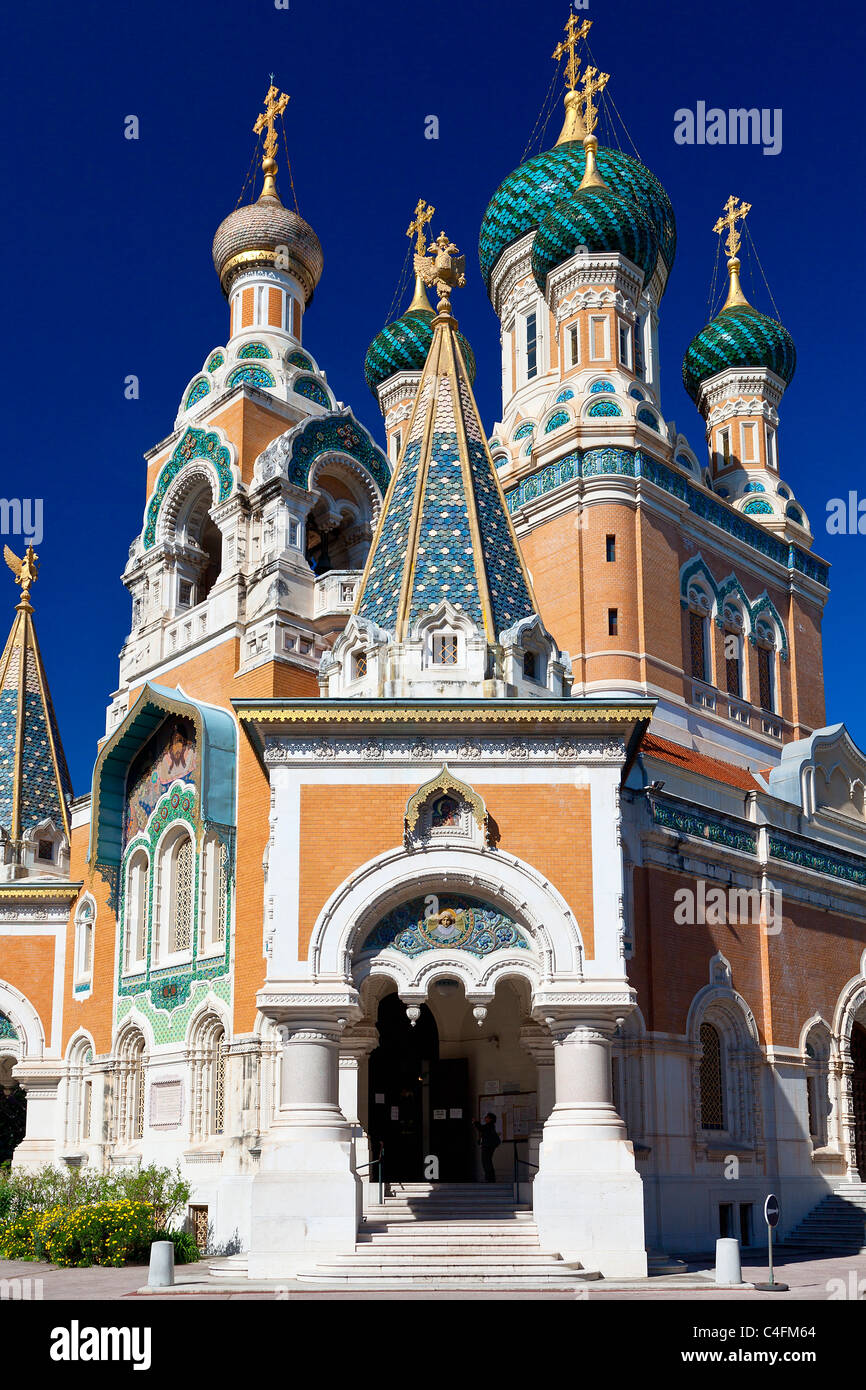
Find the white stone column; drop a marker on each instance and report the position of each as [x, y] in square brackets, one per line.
[355, 1048]
[588, 1195]
[41, 1081]
[306, 1195]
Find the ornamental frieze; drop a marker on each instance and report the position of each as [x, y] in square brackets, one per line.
[280, 750]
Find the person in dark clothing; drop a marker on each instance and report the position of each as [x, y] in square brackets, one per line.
[489, 1141]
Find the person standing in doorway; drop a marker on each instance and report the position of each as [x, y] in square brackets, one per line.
[489, 1141]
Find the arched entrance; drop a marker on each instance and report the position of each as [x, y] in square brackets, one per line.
[13, 1110]
[858, 1094]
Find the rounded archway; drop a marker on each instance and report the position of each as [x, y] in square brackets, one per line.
[13, 1110]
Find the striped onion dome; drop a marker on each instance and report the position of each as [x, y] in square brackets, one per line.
[738, 337]
[254, 235]
[600, 220]
[402, 346]
[535, 188]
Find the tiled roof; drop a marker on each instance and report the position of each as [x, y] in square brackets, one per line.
[691, 761]
[34, 779]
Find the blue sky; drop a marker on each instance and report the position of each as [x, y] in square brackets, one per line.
[106, 242]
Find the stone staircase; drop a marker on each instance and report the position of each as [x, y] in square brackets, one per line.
[449, 1235]
[836, 1226]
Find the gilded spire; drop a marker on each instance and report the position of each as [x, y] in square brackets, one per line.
[573, 127]
[423, 214]
[30, 745]
[735, 211]
[275, 104]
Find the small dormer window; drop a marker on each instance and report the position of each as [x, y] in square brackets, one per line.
[530, 666]
[184, 594]
[445, 649]
[359, 665]
[45, 851]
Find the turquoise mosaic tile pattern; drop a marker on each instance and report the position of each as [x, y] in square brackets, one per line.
[402, 346]
[598, 386]
[197, 392]
[217, 360]
[606, 408]
[250, 376]
[461, 924]
[254, 350]
[738, 337]
[341, 432]
[600, 220]
[557, 421]
[533, 190]
[6, 1029]
[311, 390]
[194, 445]
[300, 359]
[40, 792]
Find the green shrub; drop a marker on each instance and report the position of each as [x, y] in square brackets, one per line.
[186, 1252]
[102, 1233]
[48, 1187]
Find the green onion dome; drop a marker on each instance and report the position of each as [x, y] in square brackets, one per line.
[402, 346]
[738, 337]
[600, 220]
[524, 199]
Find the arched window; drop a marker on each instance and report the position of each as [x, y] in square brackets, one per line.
[765, 646]
[214, 885]
[79, 1093]
[817, 1067]
[733, 640]
[85, 917]
[711, 1081]
[208, 1057]
[698, 644]
[131, 1088]
[176, 894]
[135, 912]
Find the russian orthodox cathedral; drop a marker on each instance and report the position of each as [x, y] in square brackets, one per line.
[470, 771]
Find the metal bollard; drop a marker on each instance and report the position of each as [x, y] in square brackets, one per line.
[161, 1273]
[728, 1270]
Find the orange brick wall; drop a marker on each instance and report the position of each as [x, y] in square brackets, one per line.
[27, 963]
[549, 827]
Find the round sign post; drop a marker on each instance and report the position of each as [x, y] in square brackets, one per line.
[772, 1212]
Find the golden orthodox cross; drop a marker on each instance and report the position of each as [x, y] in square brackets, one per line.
[573, 35]
[423, 214]
[593, 83]
[275, 104]
[733, 214]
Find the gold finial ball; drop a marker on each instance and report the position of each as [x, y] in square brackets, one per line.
[269, 166]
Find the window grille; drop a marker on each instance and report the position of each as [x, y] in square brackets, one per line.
[46, 850]
[697, 646]
[219, 1084]
[732, 664]
[85, 1111]
[183, 892]
[765, 680]
[222, 895]
[712, 1101]
[445, 648]
[359, 665]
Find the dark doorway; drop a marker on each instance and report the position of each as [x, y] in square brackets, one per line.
[13, 1111]
[858, 1091]
[419, 1105]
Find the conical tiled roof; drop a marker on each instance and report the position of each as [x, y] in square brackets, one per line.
[34, 778]
[445, 532]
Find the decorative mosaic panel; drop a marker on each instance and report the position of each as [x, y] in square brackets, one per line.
[254, 350]
[169, 756]
[300, 359]
[195, 444]
[604, 408]
[166, 988]
[524, 430]
[198, 391]
[705, 826]
[7, 1031]
[464, 924]
[843, 866]
[758, 508]
[738, 337]
[646, 417]
[709, 508]
[216, 361]
[338, 432]
[250, 376]
[311, 390]
[602, 221]
[566, 395]
[754, 487]
[598, 386]
[557, 421]
[172, 1026]
[534, 189]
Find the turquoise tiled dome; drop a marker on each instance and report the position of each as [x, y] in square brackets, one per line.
[402, 346]
[738, 337]
[533, 190]
[599, 219]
